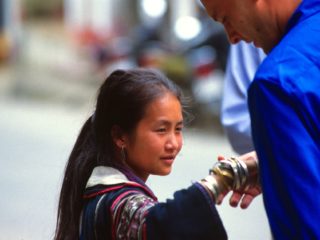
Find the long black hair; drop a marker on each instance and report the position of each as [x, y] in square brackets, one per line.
[122, 100]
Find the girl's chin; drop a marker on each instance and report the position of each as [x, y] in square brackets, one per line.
[164, 172]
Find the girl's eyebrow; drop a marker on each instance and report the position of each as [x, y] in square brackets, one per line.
[180, 123]
[168, 122]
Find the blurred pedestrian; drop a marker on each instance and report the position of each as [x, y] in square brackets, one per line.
[243, 61]
[136, 131]
[284, 100]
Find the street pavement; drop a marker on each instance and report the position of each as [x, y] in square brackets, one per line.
[36, 139]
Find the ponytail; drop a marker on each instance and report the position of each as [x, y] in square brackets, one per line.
[82, 160]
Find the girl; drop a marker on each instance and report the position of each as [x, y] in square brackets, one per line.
[135, 131]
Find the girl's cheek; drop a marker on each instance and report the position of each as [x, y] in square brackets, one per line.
[180, 143]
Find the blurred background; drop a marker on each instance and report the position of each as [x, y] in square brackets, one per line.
[54, 54]
[79, 42]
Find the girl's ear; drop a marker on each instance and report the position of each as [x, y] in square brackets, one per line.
[118, 136]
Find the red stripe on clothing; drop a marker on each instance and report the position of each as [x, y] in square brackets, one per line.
[120, 186]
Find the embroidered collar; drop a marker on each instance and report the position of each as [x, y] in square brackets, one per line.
[109, 177]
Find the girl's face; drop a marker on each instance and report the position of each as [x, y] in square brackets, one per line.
[157, 139]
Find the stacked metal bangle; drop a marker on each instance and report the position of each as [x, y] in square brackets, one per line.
[226, 175]
[235, 168]
[211, 184]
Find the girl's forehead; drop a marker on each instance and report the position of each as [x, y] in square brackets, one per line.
[166, 106]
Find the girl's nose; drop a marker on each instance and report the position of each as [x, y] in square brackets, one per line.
[172, 142]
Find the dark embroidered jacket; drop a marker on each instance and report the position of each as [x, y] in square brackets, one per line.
[117, 208]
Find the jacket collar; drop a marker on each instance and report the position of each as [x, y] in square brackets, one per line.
[306, 9]
[106, 176]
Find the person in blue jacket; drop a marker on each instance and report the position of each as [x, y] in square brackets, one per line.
[136, 131]
[284, 105]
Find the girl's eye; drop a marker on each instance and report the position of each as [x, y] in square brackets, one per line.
[161, 130]
[179, 129]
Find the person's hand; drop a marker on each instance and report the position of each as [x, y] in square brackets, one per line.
[245, 197]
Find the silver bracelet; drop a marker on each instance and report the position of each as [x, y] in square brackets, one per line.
[211, 184]
[226, 175]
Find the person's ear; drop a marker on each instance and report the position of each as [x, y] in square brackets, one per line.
[118, 136]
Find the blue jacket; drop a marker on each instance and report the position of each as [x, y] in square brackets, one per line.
[284, 104]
